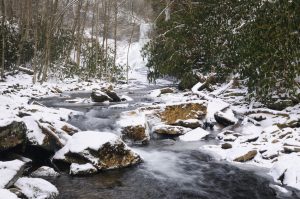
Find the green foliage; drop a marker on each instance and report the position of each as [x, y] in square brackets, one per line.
[12, 41]
[269, 48]
[258, 40]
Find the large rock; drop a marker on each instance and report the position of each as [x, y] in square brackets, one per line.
[225, 119]
[134, 127]
[105, 95]
[112, 94]
[247, 157]
[12, 135]
[43, 135]
[183, 111]
[36, 188]
[82, 169]
[170, 130]
[10, 171]
[99, 96]
[101, 149]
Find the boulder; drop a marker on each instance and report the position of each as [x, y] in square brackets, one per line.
[99, 96]
[247, 157]
[183, 111]
[82, 169]
[44, 135]
[101, 149]
[138, 134]
[112, 94]
[10, 171]
[45, 171]
[224, 118]
[170, 130]
[36, 188]
[134, 127]
[12, 134]
[226, 146]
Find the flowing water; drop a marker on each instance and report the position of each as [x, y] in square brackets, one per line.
[171, 169]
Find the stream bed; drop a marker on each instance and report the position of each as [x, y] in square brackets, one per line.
[171, 169]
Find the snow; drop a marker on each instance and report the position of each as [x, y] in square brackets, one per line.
[288, 167]
[36, 188]
[5, 194]
[44, 171]
[271, 129]
[214, 106]
[84, 140]
[228, 115]
[132, 118]
[155, 93]
[80, 168]
[34, 132]
[194, 135]
[8, 170]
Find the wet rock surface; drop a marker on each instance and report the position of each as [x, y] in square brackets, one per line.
[12, 135]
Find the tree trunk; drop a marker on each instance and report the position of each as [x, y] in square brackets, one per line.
[3, 40]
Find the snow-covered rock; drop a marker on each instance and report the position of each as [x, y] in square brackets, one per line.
[112, 94]
[191, 123]
[225, 118]
[36, 188]
[105, 95]
[287, 170]
[164, 129]
[6, 194]
[194, 135]
[99, 96]
[134, 127]
[82, 169]
[10, 171]
[102, 149]
[45, 171]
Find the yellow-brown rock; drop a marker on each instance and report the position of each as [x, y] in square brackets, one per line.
[185, 111]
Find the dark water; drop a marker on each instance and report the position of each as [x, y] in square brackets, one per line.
[171, 169]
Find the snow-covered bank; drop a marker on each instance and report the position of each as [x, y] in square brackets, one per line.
[248, 133]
